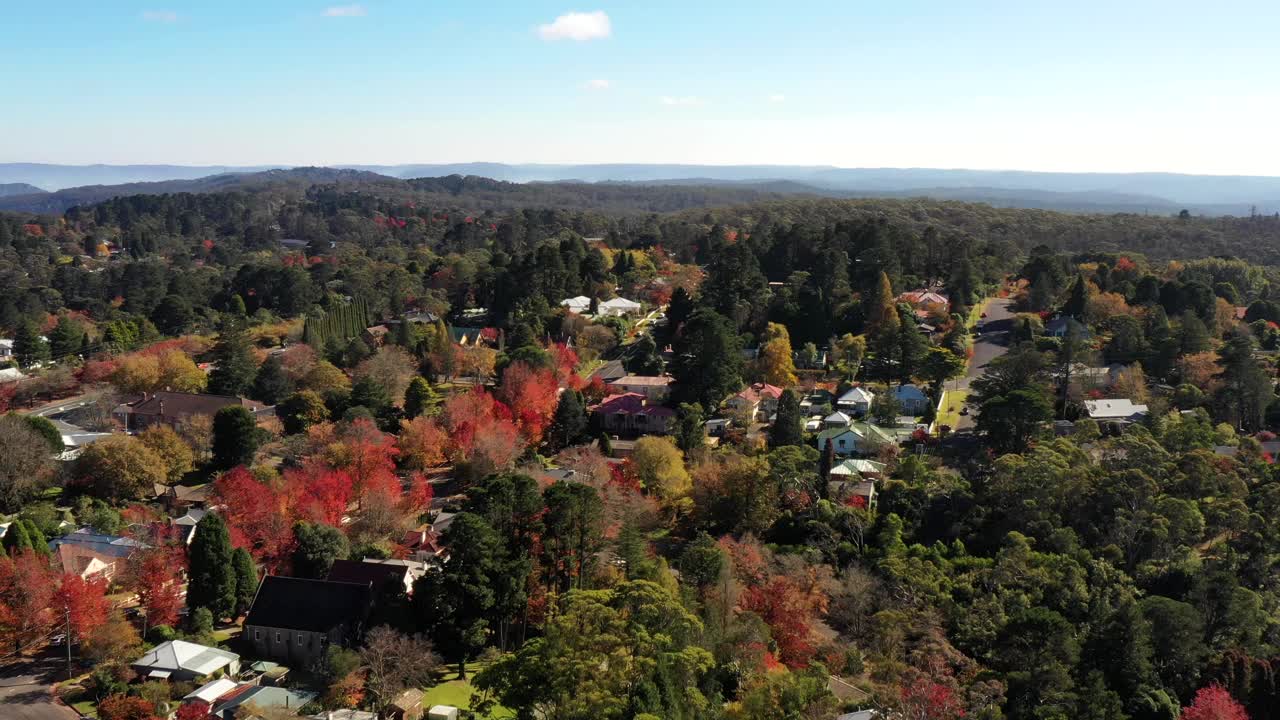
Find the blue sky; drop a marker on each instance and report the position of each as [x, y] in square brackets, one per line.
[1117, 85]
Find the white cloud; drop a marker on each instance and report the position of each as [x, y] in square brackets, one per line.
[777, 98]
[345, 11]
[687, 101]
[161, 16]
[597, 84]
[577, 26]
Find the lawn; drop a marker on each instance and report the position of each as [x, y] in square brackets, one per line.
[952, 401]
[452, 691]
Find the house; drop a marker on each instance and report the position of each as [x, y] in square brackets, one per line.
[576, 305]
[760, 401]
[653, 387]
[260, 696]
[618, 307]
[414, 568]
[1060, 327]
[294, 243]
[609, 372]
[861, 493]
[382, 579]
[407, 705]
[88, 553]
[857, 401]
[631, 413]
[295, 620]
[918, 298]
[1118, 410]
[855, 468]
[421, 317]
[813, 424]
[375, 336]
[186, 524]
[172, 408]
[911, 399]
[855, 439]
[183, 661]
[442, 712]
[6, 348]
[343, 714]
[423, 546]
[177, 498]
[836, 419]
[717, 427]
[210, 692]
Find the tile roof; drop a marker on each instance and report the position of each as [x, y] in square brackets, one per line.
[631, 404]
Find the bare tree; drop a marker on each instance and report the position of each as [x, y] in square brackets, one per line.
[394, 662]
[25, 462]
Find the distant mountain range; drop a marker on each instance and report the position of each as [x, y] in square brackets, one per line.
[53, 188]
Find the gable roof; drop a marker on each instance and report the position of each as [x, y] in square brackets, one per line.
[305, 604]
[263, 696]
[758, 391]
[909, 392]
[856, 395]
[620, 303]
[211, 691]
[858, 466]
[364, 573]
[182, 655]
[631, 404]
[837, 417]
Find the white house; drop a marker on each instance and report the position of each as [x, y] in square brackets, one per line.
[1117, 410]
[836, 419]
[618, 307]
[576, 305]
[182, 660]
[912, 399]
[6, 348]
[857, 401]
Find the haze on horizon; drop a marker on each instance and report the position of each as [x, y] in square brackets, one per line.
[1091, 87]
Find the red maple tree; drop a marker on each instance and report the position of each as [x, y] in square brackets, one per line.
[322, 493]
[85, 602]
[155, 574]
[27, 587]
[259, 517]
[1214, 703]
[532, 394]
[124, 707]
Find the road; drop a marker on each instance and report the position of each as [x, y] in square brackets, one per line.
[991, 344]
[26, 691]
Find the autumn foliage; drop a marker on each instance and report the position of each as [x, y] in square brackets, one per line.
[532, 395]
[1214, 703]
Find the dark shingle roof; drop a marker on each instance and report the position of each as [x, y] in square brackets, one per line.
[304, 604]
[179, 404]
[363, 573]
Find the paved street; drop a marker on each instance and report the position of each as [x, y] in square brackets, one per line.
[988, 346]
[26, 691]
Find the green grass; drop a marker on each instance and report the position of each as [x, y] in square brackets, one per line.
[86, 708]
[452, 691]
[952, 401]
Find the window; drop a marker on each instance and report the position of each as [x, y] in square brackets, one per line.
[257, 634]
[299, 639]
[279, 637]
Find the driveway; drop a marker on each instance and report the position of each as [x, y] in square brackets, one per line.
[26, 691]
[991, 344]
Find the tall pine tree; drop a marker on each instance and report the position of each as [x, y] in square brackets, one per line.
[211, 576]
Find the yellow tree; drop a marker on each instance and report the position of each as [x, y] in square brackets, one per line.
[882, 312]
[659, 466]
[776, 361]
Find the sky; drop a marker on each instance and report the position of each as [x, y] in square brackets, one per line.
[1086, 85]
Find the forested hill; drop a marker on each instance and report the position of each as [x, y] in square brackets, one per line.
[326, 205]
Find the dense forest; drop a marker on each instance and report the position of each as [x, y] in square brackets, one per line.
[1040, 565]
